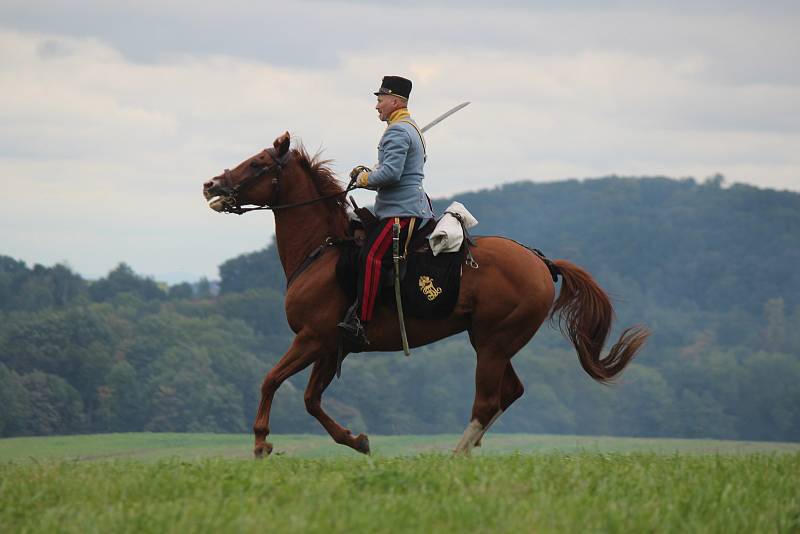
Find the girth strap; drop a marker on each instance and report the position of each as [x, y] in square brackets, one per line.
[316, 253]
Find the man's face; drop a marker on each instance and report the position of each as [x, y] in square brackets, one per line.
[386, 105]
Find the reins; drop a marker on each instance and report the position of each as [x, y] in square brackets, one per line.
[240, 210]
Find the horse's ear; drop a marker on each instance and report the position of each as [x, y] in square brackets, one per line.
[281, 144]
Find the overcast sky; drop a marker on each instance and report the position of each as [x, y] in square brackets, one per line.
[114, 113]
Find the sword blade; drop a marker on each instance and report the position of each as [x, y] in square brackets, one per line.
[443, 116]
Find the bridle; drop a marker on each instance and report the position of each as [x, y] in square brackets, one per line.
[230, 193]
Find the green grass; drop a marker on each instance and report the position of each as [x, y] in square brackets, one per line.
[149, 446]
[208, 483]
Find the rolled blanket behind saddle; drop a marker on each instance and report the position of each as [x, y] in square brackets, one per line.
[449, 234]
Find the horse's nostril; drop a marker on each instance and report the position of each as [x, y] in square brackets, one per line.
[208, 185]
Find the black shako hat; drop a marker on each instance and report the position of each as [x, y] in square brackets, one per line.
[395, 86]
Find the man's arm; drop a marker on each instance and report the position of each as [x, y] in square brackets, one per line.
[396, 143]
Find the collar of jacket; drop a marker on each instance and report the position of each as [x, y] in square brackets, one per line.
[399, 115]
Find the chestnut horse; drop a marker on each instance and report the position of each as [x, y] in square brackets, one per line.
[501, 304]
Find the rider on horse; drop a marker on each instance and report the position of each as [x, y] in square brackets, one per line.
[401, 199]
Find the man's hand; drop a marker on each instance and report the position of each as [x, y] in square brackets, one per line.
[360, 175]
[358, 170]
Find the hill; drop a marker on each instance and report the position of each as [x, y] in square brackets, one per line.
[711, 269]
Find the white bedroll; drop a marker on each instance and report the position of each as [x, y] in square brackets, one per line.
[448, 234]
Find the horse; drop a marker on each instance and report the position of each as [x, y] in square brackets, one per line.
[501, 304]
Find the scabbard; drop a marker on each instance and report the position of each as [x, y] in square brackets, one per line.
[398, 299]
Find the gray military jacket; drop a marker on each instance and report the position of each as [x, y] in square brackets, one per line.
[399, 173]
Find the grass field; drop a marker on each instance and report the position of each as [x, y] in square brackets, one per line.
[208, 483]
[148, 447]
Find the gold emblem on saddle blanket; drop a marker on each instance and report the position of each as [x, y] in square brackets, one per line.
[428, 289]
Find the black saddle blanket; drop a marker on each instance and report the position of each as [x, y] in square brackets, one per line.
[429, 284]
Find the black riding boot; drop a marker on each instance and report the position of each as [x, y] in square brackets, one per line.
[353, 330]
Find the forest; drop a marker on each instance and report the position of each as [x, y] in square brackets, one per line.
[710, 268]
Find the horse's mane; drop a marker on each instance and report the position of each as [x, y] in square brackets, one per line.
[326, 184]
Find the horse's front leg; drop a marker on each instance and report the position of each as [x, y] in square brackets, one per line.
[321, 376]
[305, 349]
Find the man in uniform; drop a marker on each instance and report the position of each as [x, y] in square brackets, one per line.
[401, 199]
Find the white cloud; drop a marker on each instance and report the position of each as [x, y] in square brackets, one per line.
[112, 150]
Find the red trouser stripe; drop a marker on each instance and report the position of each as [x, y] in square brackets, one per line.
[367, 297]
[372, 274]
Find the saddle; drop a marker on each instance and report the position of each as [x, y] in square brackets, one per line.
[429, 284]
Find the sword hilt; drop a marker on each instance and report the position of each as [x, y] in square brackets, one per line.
[396, 241]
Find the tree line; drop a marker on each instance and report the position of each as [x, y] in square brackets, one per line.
[710, 269]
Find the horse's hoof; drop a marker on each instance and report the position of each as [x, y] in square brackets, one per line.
[362, 443]
[262, 450]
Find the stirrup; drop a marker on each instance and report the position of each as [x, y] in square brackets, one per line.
[353, 327]
[353, 330]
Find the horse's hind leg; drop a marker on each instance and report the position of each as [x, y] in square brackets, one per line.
[321, 376]
[488, 381]
[512, 389]
[304, 350]
[495, 346]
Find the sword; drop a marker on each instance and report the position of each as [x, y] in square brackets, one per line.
[396, 258]
[443, 116]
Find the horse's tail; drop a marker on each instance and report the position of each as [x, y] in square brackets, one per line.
[585, 315]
